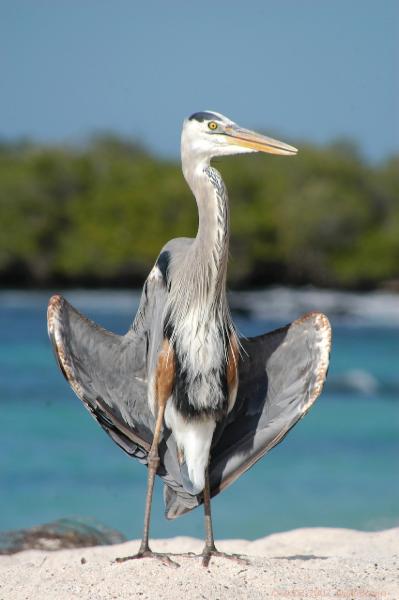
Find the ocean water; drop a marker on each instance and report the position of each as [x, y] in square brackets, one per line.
[339, 467]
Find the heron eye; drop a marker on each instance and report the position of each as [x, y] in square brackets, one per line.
[212, 125]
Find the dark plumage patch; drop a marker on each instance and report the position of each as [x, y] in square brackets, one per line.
[181, 400]
[163, 265]
[204, 116]
[167, 327]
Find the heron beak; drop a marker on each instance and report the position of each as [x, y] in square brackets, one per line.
[257, 142]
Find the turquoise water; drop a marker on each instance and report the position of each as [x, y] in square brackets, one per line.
[338, 467]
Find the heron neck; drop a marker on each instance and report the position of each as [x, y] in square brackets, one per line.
[211, 244]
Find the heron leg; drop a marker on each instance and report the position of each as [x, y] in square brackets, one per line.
[209, 539]
[210, 548]
[163, 386]
[153, 464]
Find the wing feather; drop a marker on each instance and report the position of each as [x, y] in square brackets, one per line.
[106, 371]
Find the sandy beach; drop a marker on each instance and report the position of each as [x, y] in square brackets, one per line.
[305, 563]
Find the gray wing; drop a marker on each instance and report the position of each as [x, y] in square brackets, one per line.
[281, 374]
[109, 374]
[106, 371]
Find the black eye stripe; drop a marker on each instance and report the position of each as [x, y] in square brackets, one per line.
[203, 116]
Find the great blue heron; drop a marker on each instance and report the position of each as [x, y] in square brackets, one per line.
[181, 391]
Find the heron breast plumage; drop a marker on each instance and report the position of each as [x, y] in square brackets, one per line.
[200, 395]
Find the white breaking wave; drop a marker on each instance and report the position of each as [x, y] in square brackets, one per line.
[285, 304]
[355, 380]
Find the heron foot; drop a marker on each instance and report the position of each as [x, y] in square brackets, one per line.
[210, 551]
[147, 553]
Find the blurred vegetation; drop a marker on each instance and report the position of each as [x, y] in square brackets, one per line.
[99, 215]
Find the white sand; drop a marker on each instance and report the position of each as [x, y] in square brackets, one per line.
[305, 563]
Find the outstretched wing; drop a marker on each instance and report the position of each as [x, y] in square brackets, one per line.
[109, 372]
[281, 374]
[106, 371]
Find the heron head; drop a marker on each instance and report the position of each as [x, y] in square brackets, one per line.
[210, 134]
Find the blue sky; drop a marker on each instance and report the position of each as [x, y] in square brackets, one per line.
[302, 69]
